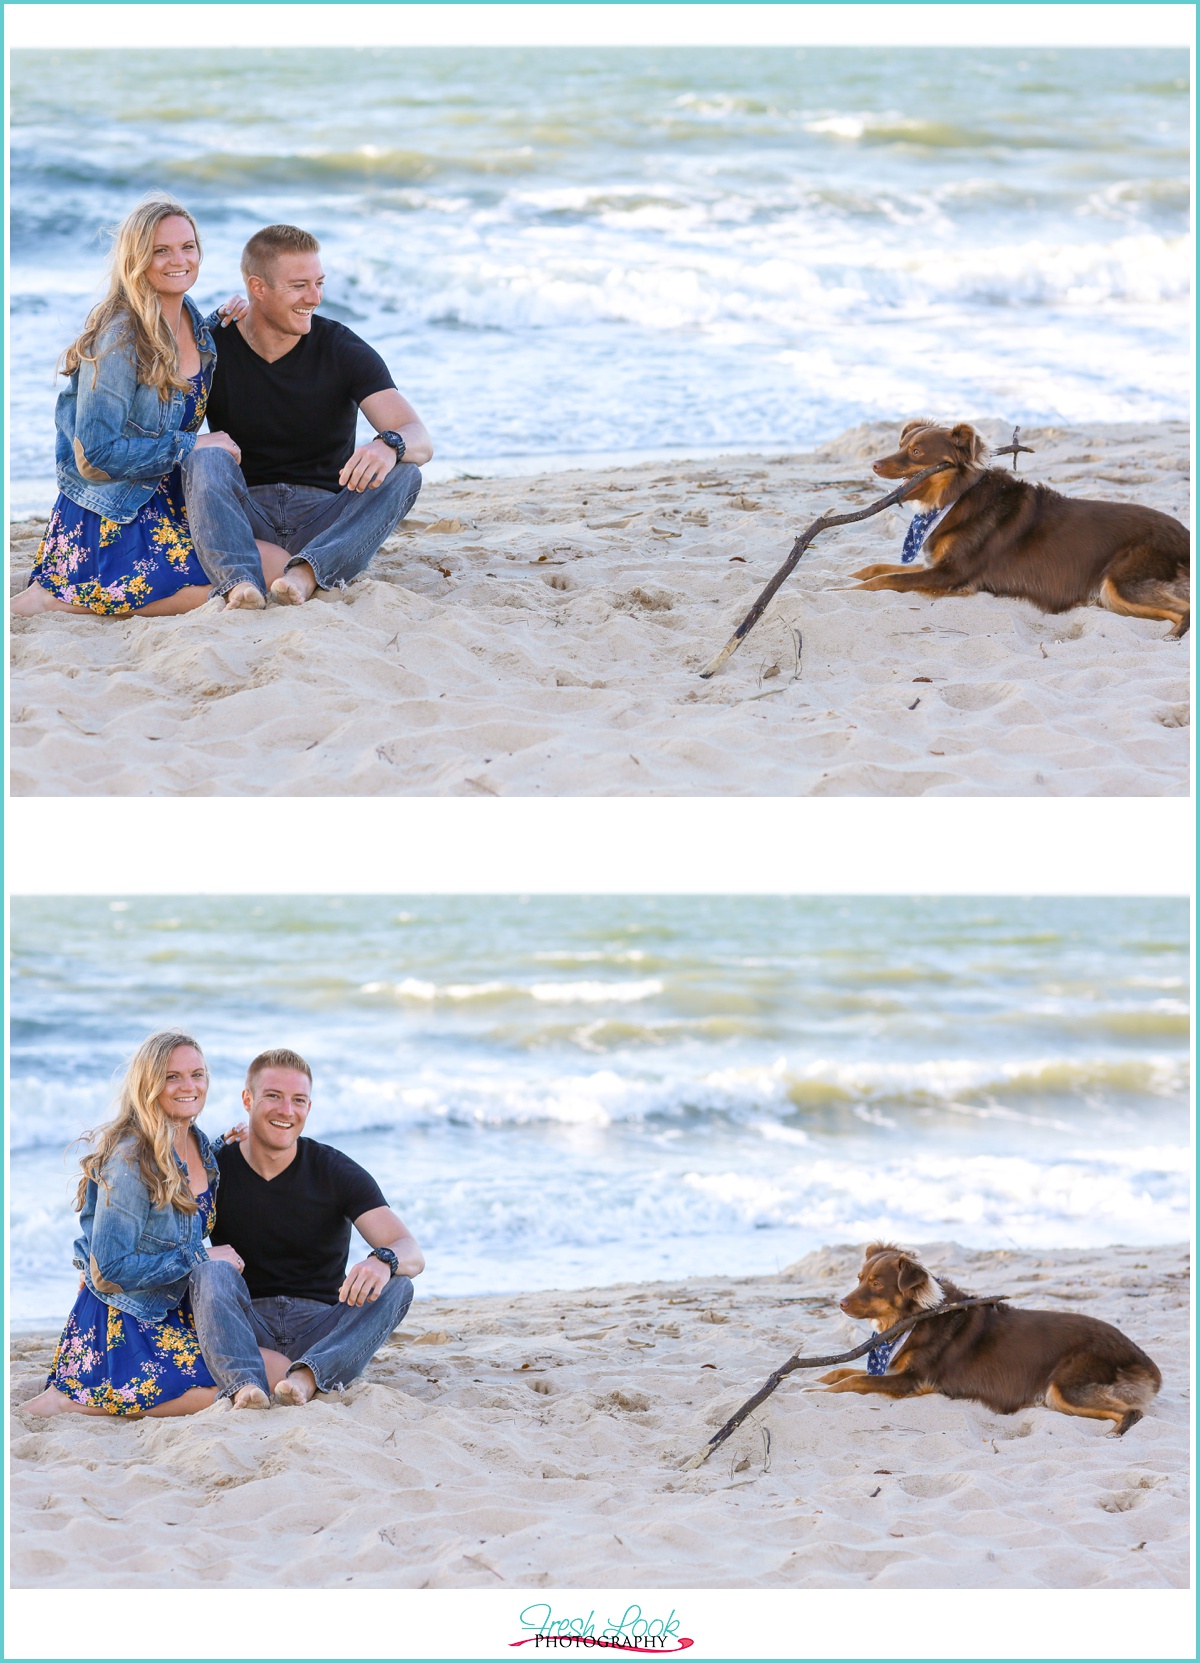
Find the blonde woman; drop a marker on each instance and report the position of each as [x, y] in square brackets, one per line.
[140, 374]
[146, 1200]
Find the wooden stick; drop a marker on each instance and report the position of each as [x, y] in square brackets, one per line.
[1015, 449]
[894, 1332]
[798, 548]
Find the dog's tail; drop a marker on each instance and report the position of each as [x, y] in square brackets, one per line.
[1132, 1390]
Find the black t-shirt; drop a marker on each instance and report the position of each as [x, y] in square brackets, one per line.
[294, 1230]
[295, 419]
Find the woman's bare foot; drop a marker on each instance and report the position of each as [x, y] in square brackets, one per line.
[244, 597]
[297, 1387]
[35, 599]
[298, 584]
[54, 1402]
[251, 1397]
[49, 1402]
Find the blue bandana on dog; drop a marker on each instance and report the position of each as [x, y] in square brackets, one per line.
[918, 531]
[880, 1356]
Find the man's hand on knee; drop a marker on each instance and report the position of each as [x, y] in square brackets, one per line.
[368, 467]
[364, 1282]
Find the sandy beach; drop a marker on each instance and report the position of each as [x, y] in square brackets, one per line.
[538, 1441]
[543, 636]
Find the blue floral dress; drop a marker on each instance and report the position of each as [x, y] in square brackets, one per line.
[109, 1360]
[110, 568]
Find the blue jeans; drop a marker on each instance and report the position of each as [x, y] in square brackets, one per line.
[337, 532]
[335, 1341]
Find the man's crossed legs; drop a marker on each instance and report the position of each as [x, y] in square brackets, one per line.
[329, 1344]
[290, 539]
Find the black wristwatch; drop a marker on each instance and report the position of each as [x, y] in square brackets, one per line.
[385, 1253]
[393, 439]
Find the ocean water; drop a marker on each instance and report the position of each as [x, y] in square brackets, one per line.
[565, 1092]
[581, 253]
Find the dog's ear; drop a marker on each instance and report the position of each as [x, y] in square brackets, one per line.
[870, 1251]
[912, 427]
[911, 1275]
[967, 442]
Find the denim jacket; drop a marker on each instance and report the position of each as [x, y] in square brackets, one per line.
[133, 1255]
[116, 437]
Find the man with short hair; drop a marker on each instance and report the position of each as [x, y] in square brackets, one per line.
[307, 508]
[276, 1274]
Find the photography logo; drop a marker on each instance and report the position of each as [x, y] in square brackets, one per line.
[633, 1632]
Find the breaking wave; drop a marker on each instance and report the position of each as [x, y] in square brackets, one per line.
[1044, 1091]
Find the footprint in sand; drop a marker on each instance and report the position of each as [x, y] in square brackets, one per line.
[978, 695]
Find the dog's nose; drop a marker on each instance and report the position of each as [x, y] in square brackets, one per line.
[876, 467]
[842, 1304]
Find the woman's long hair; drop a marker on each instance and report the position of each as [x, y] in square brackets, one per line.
[131, 298]
[139, 1117]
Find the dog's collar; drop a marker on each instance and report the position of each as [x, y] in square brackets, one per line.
[919, 530]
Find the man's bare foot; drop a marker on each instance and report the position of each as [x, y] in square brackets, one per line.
[251, 1397]
[297, 585]
[296, 1388]
[245, 598]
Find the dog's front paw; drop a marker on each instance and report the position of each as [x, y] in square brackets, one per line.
[871, 571]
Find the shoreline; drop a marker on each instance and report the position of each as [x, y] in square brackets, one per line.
[538, 1439]
[543, 635]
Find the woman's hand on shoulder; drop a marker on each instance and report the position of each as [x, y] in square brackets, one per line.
[229, 311]
[236, 1134]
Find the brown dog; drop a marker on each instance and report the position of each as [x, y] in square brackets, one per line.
[1009, 1359]
[1006, 536]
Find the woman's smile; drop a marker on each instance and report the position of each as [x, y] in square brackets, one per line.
[175, 260]
[186, 1086]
